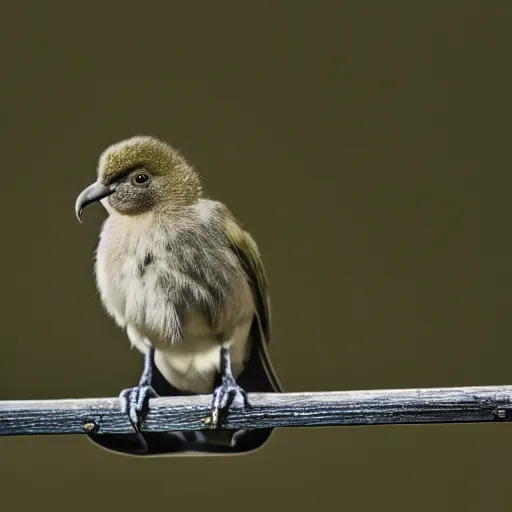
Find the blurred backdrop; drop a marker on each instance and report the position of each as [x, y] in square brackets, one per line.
[366, 145]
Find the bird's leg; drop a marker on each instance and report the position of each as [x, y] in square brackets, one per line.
[134, 401]
[225, 394]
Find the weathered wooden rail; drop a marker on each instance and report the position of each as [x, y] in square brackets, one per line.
[335, 408]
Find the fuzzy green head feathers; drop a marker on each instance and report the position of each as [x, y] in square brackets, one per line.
[142, 173]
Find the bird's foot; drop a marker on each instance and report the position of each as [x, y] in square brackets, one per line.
[223, 397]
[134, 403]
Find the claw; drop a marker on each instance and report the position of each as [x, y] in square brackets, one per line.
[134, 403]
[223, 397]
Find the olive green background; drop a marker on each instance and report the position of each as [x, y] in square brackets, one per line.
[365, 145]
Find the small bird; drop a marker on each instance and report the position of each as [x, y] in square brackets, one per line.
[177, 271]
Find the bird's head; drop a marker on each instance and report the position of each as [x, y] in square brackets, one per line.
[140, 174]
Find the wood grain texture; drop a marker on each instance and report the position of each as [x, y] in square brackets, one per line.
[336, 408]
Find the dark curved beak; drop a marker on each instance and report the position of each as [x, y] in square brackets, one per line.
[91, 194]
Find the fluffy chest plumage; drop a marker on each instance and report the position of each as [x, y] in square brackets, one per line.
[176, 285]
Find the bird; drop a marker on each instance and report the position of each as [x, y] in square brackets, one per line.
[179, 273]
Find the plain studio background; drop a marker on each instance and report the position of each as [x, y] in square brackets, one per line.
[366, 147]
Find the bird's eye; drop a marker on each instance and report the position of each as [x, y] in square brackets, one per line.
[140, 178]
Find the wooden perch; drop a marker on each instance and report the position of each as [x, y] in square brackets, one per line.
[337, 408]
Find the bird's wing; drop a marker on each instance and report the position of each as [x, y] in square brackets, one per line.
[248, 254]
